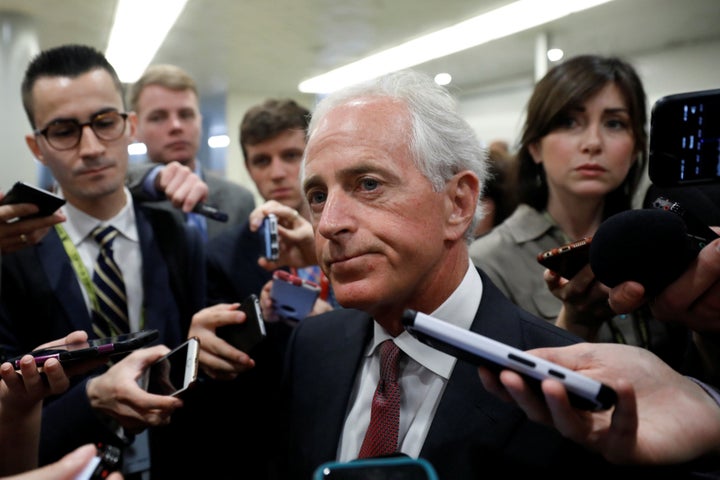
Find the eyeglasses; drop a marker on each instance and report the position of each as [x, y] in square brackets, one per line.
[66, 134]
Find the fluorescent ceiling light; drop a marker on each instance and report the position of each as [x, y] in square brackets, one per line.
[138, 30]
[504, 21]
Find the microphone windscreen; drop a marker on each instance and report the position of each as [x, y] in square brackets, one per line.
[649, 246]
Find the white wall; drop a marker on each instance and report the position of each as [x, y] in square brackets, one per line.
[498, 112]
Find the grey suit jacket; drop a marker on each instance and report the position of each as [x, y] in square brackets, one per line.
[230, 197]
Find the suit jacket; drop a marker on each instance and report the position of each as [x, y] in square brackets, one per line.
[473, 433]
[230, 197]
[41, 300]
[233, 272]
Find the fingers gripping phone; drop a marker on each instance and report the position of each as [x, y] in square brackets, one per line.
[584, 392]
[293, 297]
[173, 373]
[268, 233]
[70, 353]
[568, 259]
[245, 336]
[22, 192]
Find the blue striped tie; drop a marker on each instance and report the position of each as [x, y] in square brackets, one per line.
[111, 316]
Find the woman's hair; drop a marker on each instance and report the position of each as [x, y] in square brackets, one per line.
[564, 88]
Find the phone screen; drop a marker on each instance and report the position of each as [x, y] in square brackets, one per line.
[685, 139]
[385, 468]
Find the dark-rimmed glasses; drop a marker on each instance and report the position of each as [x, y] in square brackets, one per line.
[66, 134]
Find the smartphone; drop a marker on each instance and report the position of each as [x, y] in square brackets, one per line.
[245, 336]
[584, 392]
[92, 348]
[382, 468]
[101, 465]
[699, 233]
[685, 139]
[22, 192]
[292, 297]
[567, 259]
[268, 233]
[175, 372]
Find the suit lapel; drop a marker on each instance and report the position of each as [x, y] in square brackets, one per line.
[62, 279]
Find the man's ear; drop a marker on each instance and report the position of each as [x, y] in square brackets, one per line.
[463, 191]
[31, 141]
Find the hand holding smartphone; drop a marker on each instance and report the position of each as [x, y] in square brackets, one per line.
[568, 259]
[71, 353]
[245, 336]
[584, 392]
[22, 192]
[293, 298]
[173, 373]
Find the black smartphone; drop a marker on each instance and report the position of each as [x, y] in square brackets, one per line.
[292, 297]
[101, 465]
[22, 192]
[245, 336]
[383, 468]
[173, 373]
[685, 139]
[584, 392]
[92, 348]
[567, 259]
[268, 233]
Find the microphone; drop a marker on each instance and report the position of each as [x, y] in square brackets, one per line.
[649, 246]
[210, 212]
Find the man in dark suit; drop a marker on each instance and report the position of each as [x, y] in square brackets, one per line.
[81, 131]
[393, 176]
[166, 101]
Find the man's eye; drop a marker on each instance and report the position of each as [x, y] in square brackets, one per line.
[316, 197]
[63, 130]
[369, 183]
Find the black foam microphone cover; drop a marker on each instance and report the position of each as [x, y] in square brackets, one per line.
[649, 246]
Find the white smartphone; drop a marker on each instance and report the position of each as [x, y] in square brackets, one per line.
[173, 373]
[584, 392]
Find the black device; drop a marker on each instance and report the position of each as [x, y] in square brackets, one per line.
[22, 192]
[567, 259]
[210, 212]
[92, 348]
[399, 467]
[268, 233]
[175, 372]
[101, 465]
[584, 392]
[245, 336]
[685, 139]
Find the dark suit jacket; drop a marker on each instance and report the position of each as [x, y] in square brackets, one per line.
[41, 300]
[472, 434]
[230, 197]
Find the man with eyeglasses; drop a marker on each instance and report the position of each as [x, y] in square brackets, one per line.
[81, 131]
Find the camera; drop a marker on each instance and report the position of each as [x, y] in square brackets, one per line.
[685, 139]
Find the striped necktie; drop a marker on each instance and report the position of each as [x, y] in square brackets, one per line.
[110, 317]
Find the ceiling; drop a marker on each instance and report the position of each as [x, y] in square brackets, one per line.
[266, 47]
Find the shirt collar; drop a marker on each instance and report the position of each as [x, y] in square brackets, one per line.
[79, 224]
[458, 309]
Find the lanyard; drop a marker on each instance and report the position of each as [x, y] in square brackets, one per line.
[78, 265]
[81, 271]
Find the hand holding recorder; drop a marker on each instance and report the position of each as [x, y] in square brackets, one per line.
[649, 423]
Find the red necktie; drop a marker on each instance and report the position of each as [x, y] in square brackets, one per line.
[382, 434]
